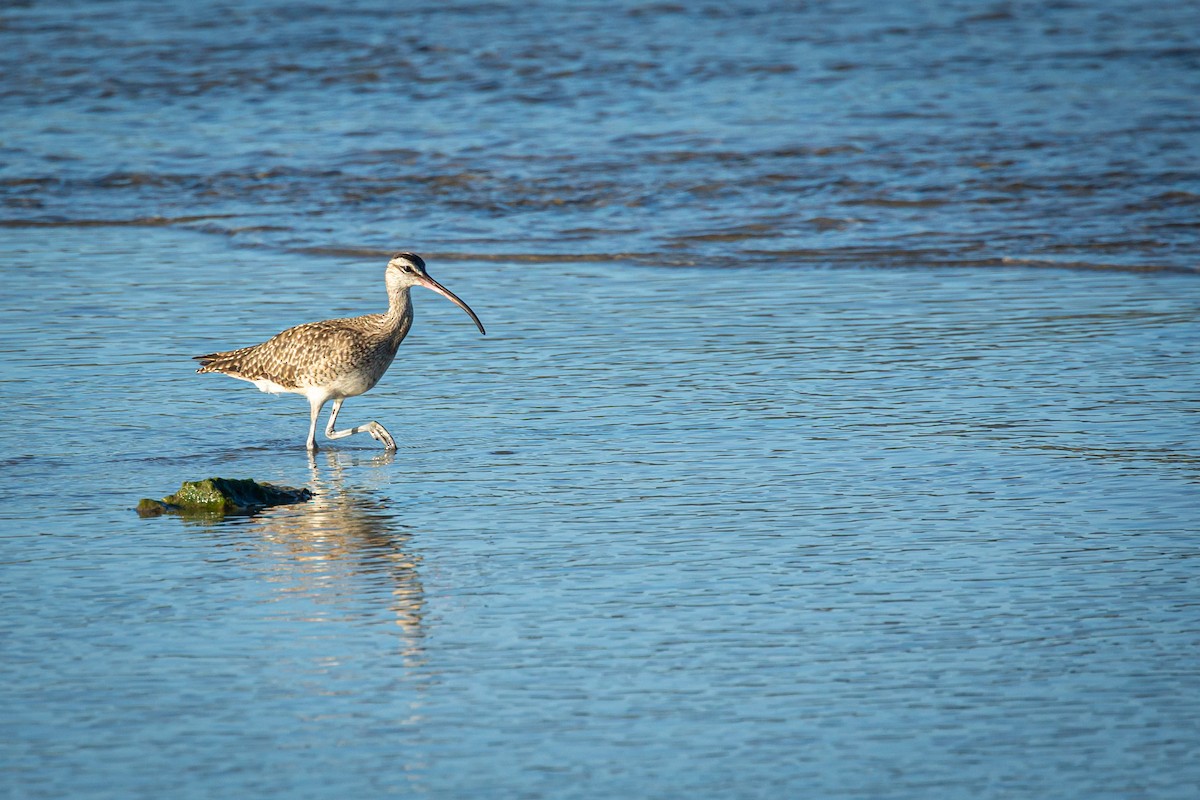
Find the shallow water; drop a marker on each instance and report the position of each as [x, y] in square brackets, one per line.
[848, 520]
[771, 531]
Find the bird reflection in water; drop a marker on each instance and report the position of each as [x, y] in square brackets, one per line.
[346, 549]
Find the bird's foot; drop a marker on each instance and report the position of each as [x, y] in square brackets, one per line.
[380, 434]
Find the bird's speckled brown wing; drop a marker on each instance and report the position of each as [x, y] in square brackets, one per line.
[312, 354]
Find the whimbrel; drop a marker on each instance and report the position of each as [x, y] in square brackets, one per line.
[336, 358]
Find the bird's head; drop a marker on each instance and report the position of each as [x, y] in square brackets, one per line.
[406, 270]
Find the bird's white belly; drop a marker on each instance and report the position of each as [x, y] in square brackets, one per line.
[351, 385]
[266, 385]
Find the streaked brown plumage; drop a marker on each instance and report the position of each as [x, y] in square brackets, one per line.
[335, 358]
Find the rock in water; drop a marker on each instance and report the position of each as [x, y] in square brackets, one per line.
[223, 496]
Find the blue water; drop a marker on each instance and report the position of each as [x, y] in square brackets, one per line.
[784, 133]
[791, 464]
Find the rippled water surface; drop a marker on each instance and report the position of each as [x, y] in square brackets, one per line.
[873, 532]
[911, 133]
[787, 467]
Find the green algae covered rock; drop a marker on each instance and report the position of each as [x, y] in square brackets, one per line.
[218, 496]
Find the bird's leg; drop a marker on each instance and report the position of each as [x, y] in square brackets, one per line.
[314, 411]
[377, 431]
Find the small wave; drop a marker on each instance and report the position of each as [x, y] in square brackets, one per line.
[1166, 200]
[141, 222]
[891, 202]
[869, 257]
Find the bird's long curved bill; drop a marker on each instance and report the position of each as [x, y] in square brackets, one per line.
[430, 283]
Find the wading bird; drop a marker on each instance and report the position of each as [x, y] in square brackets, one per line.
[336, 358]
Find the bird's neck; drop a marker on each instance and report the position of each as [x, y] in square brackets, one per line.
[399, 313]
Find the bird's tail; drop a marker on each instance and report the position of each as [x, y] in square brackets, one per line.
[228, 362]
[206, 361]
